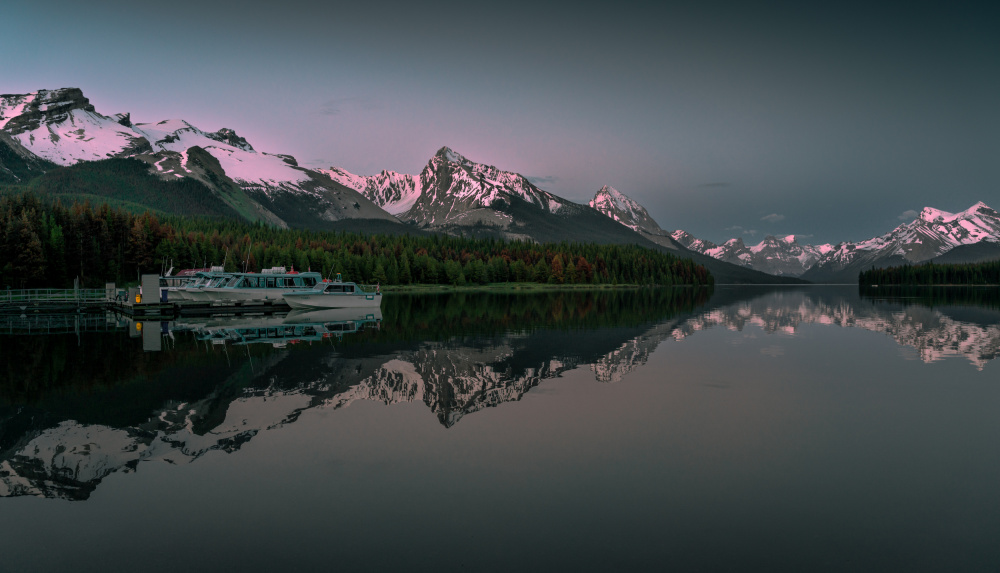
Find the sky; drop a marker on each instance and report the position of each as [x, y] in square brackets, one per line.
[832, 121]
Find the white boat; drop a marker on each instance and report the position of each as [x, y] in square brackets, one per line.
[270, 284]
[199, 291]
[195, 280]
[336, 294]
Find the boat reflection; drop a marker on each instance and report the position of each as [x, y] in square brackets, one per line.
[279, 331]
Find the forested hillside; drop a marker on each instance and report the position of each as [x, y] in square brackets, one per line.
[126, 183]
[45, 243]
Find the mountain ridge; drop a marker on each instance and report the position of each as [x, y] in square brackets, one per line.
[931, 235]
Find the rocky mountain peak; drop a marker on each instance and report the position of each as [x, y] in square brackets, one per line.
[228, 136]
[25, 112]
[448, 154]
[932, 215]
[625, 210]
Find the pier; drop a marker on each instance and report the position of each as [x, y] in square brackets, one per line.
[131, 302]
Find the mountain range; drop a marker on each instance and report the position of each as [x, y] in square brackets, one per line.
[55, 141]
[972, 235]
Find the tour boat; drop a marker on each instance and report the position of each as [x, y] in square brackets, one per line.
[194, 282]
[269, 284]
[198, 291]
[335, 294]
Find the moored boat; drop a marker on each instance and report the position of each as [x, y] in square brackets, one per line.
[336, 294]
[269, 284]
[178, 287]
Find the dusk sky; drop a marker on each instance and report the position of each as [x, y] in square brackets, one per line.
[827, 119]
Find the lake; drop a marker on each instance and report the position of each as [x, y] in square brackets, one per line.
[749, 428]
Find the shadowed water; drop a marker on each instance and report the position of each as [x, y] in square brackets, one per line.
[809, 428]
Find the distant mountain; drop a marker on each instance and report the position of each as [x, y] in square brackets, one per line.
[778, 256]
[456, 195]
[631, 214]
[62, 127]
[624, 209]
[930, 235]
[453, 192]
[972, 235]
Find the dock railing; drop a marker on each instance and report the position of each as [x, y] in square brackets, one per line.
[50, 296]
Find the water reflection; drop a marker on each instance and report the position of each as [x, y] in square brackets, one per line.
[78, 405]
[937, 323]
[79, 411]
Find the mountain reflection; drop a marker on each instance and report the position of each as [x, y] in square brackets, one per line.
[78, 407]
[938, 323]
[80, 399]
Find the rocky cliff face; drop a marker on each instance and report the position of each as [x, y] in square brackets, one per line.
[62, 126]
[17, 164]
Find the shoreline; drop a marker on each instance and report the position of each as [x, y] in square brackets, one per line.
[518, 287]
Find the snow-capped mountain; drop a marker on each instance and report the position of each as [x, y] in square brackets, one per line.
[773, 255]
[453, 191]
[930, 235]
[927, 237]
[63, 127]
[689, 241]
[630, 213]
[394, 192]
[624, 209]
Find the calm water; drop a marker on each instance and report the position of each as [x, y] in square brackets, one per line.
[750, 429]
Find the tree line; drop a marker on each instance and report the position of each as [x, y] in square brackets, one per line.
[49, 244]
[987, 273]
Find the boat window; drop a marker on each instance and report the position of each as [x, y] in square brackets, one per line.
[309, 281]
[349, 288]
[335, 288]
[270, 282]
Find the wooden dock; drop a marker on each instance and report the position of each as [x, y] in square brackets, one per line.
[22, 301]
[127, 302]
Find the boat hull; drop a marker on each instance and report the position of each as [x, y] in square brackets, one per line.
[241, 294]
[315, 300]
